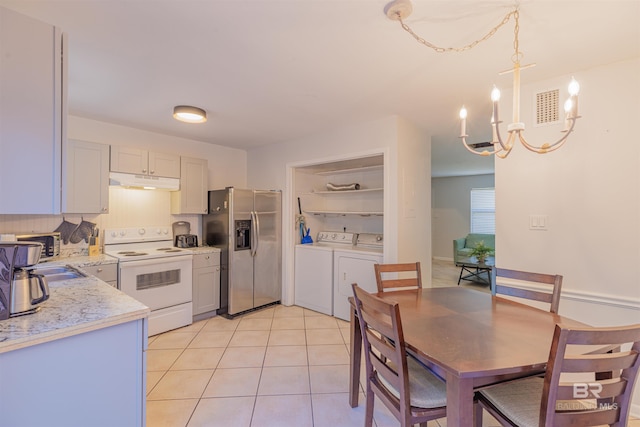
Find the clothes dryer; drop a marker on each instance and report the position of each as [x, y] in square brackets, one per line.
[313, 275]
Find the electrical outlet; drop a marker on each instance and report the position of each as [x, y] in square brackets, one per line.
[538, 222]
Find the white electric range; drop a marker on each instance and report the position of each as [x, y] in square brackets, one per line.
[153, 271]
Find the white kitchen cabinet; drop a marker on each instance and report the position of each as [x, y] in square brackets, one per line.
[96, 378]
[143, 162]
[206, 282]
[105, 272]
[32, 117]
[192, 197]
[85, 178]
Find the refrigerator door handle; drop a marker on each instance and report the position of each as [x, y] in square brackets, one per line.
[255, 232]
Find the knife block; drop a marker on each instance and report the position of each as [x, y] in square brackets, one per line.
[94, 246]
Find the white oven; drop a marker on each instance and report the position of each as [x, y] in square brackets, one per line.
[155, 273]
[158, 283]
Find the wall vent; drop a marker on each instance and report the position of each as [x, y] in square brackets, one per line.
[547, 107]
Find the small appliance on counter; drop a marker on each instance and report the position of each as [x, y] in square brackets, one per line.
[21, 290]
[50, 243]
[182, 237]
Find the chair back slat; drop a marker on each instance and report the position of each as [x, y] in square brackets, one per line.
[398, 271]
[599, 362]
[523, 293]
[605, 398]
[552, 296]
[610, 388]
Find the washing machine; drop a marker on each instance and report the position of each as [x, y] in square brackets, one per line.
[313, 274]
[355, 265]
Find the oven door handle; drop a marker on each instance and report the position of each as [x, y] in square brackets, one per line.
[152, 261]
[255, 232]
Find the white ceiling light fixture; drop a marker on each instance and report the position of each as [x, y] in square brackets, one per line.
[400, 9]
[189, 114]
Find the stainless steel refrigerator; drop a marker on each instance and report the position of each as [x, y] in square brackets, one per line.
[247, 226]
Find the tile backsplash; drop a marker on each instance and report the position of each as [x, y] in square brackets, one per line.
[127, 208]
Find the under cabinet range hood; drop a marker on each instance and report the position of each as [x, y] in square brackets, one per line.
[146, 182]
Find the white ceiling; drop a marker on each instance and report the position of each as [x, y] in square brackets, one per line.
[268, 71]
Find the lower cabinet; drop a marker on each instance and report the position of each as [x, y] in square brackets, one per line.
[206, 283]
[105, 272]
[96, 378]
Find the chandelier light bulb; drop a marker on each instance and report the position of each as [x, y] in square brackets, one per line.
[463, 122]
[574, 87]
[495, 94]
[568, 106]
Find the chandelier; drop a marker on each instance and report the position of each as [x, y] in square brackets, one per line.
[400, 9]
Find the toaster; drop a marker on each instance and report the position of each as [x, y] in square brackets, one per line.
[186, 241]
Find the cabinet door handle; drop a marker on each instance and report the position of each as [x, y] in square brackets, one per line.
[144, 171]
[217, 268]
[206, 257]
[152, 172]
[99, 270]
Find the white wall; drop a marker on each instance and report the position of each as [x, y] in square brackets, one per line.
[271, 167]
[590, 190]
[451, 210]
[414, 198]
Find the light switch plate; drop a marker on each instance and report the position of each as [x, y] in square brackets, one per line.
[538, 222]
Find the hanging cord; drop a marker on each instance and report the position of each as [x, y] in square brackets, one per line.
[470, 45]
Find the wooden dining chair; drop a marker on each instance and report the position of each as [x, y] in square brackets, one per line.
[398, 282]
[552, 297]
[598, 392]
[412, 392]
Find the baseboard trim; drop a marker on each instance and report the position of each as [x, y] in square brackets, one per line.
[440, 258]
[597, 298]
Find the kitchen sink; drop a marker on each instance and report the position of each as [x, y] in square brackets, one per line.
[56, 273]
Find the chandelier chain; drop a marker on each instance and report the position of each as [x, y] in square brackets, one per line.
[517, 56]
[470, 45]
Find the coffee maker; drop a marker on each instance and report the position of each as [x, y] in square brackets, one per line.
[21, 290]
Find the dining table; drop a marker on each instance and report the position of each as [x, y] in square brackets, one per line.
[469, 338]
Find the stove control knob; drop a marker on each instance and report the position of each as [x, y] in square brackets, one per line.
[334, 236]
[165, 231]
[114, 234]
[122, 233]
[158, 231]
[141, 231]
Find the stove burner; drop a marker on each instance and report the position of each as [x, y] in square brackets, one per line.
[126, 252]
[132, 253]
[164, 249]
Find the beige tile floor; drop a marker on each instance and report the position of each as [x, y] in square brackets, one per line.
[280, 366]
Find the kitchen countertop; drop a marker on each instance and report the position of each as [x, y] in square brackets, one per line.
[74, 307]
[204, 250]
[82, 261]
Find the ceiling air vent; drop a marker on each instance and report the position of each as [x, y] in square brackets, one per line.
[547, 107]
[481, 145]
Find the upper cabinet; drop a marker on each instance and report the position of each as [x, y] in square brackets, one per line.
[137, 161]
[32, 114]
[85, 178]
[192, 197]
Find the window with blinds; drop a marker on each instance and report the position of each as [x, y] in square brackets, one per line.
[483, 210]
